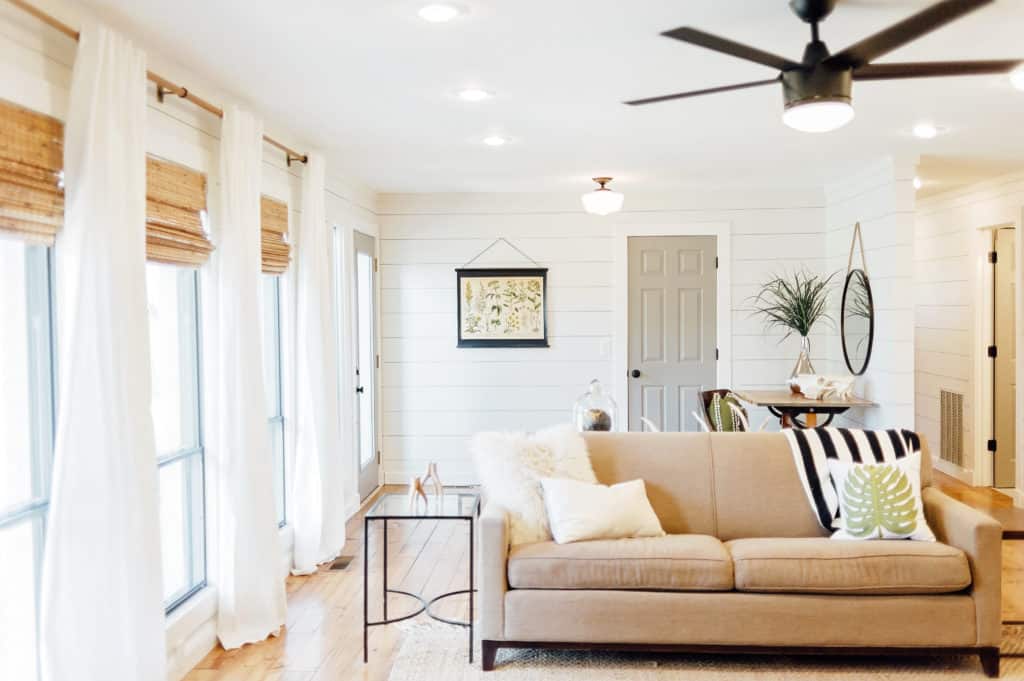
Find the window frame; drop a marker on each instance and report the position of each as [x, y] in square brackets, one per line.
[188, 455]
[276, 421]
[42, 356]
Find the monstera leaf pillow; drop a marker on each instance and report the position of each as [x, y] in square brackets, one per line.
[880, 500]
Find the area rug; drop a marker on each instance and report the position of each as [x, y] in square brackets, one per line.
[430, 652]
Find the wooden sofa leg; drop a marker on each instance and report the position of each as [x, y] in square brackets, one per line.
[489, 650]
[990, 662]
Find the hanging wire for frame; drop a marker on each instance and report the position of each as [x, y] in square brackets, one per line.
[494, 243]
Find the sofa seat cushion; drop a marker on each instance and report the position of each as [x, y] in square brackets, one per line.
[675, 562]
[826, 566]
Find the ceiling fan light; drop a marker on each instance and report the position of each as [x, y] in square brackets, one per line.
[1017, 78]
[602, 201]
[818, 115]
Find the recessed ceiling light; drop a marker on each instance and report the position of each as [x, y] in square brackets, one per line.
[917, 182]
[1017, 78]
[438, 14]
[925, 131]
[495, 141]
[474, 94]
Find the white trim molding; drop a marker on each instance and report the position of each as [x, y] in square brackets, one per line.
[722, 231]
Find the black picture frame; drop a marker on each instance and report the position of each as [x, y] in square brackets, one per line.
[871, 320]
[484, 273]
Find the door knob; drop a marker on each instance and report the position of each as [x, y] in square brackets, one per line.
[359, 389]
[635, 373]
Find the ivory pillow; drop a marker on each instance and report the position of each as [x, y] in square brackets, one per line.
[880, 500]
[510, 466]
[578, 511]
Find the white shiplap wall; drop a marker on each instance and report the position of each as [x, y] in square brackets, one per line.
[881, 198]
[35, 72]
[952, 241]
[434, 396]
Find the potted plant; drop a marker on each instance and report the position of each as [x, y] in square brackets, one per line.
[795, 303]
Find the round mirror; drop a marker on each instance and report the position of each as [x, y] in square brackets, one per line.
[857, 321]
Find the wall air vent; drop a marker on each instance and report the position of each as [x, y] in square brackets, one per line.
[951, 408]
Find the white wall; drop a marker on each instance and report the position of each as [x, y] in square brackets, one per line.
[434, 395]
[952, 280]
[881, 198]
[35, 72]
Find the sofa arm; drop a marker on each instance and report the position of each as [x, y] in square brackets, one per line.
[493, 571]
[981, 538]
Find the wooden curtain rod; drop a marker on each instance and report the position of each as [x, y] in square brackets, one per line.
[163, 86]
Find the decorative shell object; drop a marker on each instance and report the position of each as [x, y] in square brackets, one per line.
[595, 409]
[818, 387]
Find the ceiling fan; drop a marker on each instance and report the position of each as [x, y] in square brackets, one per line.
[817, 89]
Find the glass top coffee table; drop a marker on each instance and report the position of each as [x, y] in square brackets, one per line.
[452, 505]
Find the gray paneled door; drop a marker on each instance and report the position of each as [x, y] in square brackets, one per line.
[672, 328]
[1005, 369]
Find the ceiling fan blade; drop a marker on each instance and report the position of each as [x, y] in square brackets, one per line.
[905, 31]
[734, 49]
[697, 93]
[934, 69]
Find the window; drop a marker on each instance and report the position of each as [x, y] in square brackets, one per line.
[26, 434]
[174, 366]
[271, 294]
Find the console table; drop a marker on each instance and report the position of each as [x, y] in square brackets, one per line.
[789, 407]
[458, 506]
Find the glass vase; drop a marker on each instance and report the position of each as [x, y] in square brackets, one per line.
[803, 365]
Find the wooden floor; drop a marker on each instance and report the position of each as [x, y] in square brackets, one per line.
[323, 637]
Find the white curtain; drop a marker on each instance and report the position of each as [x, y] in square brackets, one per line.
[102, 615]
[250, 584]
[318, 490]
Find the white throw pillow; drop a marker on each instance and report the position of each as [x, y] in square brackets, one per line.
[578, 511]
[880, 500]
[510, 466]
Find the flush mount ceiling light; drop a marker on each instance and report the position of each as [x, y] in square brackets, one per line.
[925, 131]
[1017, 79]
[438, 14]
[474, 94]
[495, 141]
[817, 89]
[602, 201]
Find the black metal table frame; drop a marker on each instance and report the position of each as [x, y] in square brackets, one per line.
[793, 413]
[424, 604]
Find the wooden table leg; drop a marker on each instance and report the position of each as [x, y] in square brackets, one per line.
[786, 420]
[811, 419]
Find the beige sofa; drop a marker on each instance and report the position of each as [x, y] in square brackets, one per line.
[744, 568]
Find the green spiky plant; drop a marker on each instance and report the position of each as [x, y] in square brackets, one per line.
[794, 302]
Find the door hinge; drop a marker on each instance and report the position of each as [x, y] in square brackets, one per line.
[716, 353]
[375, 264]
[378, 361]
[378, 457]
[993, 257]
[716, 262]
[991, 445]
[992, 351]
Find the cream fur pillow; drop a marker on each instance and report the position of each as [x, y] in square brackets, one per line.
[511, 465]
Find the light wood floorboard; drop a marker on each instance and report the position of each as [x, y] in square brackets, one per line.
[323, 637]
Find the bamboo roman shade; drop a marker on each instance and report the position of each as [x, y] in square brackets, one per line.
[175, 203]
[274, 227]
[31, 160]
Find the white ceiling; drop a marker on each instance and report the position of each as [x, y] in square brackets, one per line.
[374, 86]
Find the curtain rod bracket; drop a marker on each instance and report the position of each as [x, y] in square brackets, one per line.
[289, 158]
[162, 91]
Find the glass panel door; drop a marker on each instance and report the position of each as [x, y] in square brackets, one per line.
[366, 361]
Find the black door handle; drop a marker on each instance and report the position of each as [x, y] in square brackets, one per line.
[359, 389]
[635, 373]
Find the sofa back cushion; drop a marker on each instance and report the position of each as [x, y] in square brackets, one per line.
[676, 468]
[729, 485]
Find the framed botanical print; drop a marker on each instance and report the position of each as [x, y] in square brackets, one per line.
[502, 308]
